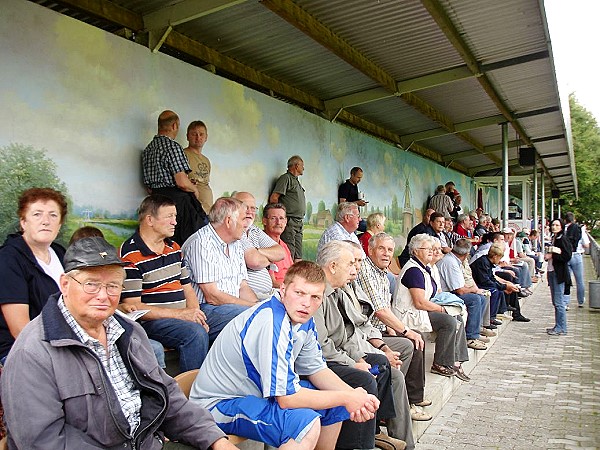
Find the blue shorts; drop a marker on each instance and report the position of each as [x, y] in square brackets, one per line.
[263, 420]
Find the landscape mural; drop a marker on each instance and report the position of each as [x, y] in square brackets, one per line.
[81, 104]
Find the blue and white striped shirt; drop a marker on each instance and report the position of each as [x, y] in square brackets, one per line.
[260, 353]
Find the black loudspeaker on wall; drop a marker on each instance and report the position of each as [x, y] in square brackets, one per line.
[527, 156]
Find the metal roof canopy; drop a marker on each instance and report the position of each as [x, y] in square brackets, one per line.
[435, 77]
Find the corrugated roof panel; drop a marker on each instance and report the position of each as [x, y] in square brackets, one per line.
[498, 30]
[254, 36]
[394, 114]
[399, 36]
[527, 86]
[462, 100]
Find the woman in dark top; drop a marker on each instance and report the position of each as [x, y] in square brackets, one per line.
[558, 255]
[30, 262]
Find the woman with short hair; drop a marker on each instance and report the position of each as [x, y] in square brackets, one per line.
[412, 305]
[30, 262]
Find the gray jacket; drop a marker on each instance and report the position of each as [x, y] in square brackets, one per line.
[343, 331]
[56, 394]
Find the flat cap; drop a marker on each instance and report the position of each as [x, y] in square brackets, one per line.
[91, 252]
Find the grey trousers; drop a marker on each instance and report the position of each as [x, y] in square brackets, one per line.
[451, 340]
[413, 366]
[400, 427]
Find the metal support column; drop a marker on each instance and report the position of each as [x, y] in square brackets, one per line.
[543, 221]
[505, 174]
[535, 193]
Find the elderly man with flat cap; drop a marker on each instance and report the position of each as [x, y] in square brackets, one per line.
[79, 377]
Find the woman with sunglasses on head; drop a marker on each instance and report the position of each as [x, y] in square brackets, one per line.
[558, 254]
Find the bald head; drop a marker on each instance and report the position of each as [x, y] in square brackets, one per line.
[168, 123]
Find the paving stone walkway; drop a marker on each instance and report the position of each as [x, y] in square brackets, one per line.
[530, 391]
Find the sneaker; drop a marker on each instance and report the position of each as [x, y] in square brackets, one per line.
[553, 332]
[487, 332]
[416, 413]
[385, 442]
[476, 345]
[483, 339]
[521, 319]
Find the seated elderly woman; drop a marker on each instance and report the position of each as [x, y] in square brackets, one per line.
[412, 305]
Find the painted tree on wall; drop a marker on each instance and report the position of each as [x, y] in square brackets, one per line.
[23, 167]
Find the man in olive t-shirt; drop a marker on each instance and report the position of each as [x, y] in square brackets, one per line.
[197, 135]
[290, 192]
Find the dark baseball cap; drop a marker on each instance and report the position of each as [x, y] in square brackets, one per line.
[91, 252]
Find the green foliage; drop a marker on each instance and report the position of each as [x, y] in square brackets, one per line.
[309, 211]
[321, 206]
[23, 167]
[586, 146]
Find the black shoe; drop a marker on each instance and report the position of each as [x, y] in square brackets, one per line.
[511, 308]
[522, 294]
[491, 327]
[521, 319]
[495, 322]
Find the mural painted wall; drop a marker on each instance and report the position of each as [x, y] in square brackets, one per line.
[80, 104]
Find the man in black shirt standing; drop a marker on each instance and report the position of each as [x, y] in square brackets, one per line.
[348, 192]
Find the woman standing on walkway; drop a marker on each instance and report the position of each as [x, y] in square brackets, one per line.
[558, 255]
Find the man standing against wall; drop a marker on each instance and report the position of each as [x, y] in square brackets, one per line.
[290, 193]
[165, 168]
[348, 192]
[197, 135]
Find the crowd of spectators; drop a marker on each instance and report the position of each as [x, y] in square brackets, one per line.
[291, 353]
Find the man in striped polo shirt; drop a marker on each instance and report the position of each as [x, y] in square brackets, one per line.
[215, 257]
[158, 280]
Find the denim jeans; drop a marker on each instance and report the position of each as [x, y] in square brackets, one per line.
[474, 303]
[576, 268]
[558, 300]
[188, 338]
[217, 316]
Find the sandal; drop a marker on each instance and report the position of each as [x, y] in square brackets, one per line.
[442, 370]
[417, 414]
[460, 373]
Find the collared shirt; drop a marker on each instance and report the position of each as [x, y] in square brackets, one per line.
[261, 353]
[212, 260]
[336, 232]
[283, 265]
[451, 273]
[161, 160]
[157, 278]
[376, 284]
[116, 371]
[292, 195]
[442, 204]
[259, 280]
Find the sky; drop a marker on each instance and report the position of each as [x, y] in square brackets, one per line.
[575, 37]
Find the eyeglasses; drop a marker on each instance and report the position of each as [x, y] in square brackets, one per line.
[91, 287]
[429, 249]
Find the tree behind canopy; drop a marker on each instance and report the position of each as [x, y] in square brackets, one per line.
[23, 167]
[586, 146]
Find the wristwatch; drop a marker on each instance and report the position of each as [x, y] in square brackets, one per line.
[406, 330]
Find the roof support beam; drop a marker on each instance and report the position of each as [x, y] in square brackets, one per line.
[439, 15]
[458, 128]
[486, 150]
[475, 170]
[107, 10]
[549, 138]
[359, 98]
[202, 52]
[478, 123]
[300, 19]
[184, 12]
[161, 22]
